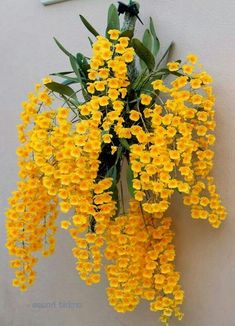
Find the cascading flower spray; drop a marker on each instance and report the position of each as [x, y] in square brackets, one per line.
[71, 160]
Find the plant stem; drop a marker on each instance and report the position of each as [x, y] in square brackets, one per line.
[129, 25]
[130, 20]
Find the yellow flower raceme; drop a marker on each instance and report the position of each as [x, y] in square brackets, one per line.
[173, 151]
[168, 139]
[33, 210]
[65, 160]
[139, 244]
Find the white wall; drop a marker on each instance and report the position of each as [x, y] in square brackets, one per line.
[205, 257]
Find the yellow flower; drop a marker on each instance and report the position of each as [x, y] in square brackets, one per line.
[113, 94]
[118, 105]
[192, 58]
[64, 206]
[195, 83]
[157, 84]
[179, 295]
[113, 149]
[119, 48]
[103, 73]
[107, 138]
[123, 92]
[134, 115]
[124, 41]
[65, 224]
[47, 80]
[106, 54]
[128, 55]
[113, 83]
[145, 99]
[139, 195]
[196, 99]
[103, 100]
[187, 69]
[114, 34]
[92, 74]
[201, 130]
[95, 278]
[91, 88]
[173, 66]
[100, 85]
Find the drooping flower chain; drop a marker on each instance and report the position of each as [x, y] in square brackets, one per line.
[170, 138]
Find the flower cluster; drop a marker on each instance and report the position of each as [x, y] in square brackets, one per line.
[59, 162]
[172, 147]
[33, 210]
[139, 244]
[70, 158]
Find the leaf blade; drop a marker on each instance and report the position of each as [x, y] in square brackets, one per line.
[113, 19]
[90, 28]
[166, 54]
[60, 89]
[60, 46]
[129, 179]
[156, 42]
[66, 77]
[124, 143]
[147, 42]
[112, 173]
[143, 53]
[127, 33]
[75, 67]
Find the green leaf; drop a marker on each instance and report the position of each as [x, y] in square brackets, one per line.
[176, 73]
[83, 64]
[113, 19]
[145, 83]
[124, 143]
[164, 70]
[129, 178]
[143, 53]
[71, 79]
[147, 39]
[62, 48]
[166, 54]
[75, 67]
[112, 173]
[81, 59]
[63, 90]
[119, 153]
[127, 33]
[88, 26]
[68, 82]
[139, 80]
[62, 73]
[90, 40]
[156, 42]
[147, 42]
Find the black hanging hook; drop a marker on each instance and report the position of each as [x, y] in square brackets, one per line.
[132, 9]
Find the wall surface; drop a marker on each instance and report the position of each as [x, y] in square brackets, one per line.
[205, 257]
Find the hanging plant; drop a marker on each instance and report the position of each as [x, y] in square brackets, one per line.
[115, 119]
